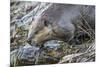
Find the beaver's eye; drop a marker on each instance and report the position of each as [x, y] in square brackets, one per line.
[46, 23]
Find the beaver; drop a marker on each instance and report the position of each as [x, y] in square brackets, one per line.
[55, 23]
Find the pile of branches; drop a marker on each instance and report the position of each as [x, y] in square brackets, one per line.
[87, 56]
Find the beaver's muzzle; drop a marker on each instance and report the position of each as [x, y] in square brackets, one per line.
[33, 43]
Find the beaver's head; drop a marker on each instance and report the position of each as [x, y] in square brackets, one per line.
[40, 31]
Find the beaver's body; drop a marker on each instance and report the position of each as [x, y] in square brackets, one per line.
[57, 22]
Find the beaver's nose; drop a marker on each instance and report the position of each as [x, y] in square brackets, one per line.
[31, 42]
